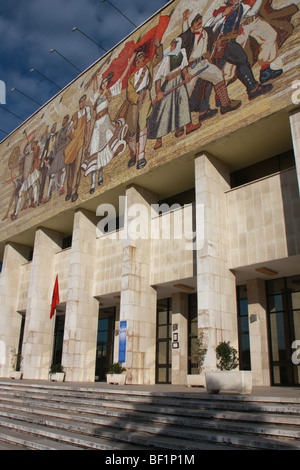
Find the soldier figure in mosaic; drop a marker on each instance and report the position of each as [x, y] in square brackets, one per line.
[46, 157]
[198, 42]
[16, 169]
[78, 132]
[261, 35]
[226, 22]
[140, 104]
[31, 176]
[56, 162]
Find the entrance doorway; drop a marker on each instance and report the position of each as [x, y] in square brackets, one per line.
[164, 342]
[105, 342]
[283, 297]
[58, 338]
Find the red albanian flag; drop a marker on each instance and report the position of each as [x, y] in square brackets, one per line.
[145, 43]
[55, 297]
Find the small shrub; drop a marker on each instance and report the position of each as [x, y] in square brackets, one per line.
[116, 368]
[226, 356]
[198, 352]
[56, 368]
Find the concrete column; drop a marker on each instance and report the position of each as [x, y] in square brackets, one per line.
[38, 333]
[216, 290]
[180, 312]
[10, 319]
[258, 332]
[295, 131]
[80, 335]
[138, 298]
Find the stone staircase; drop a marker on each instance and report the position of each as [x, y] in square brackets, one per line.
[49, 416]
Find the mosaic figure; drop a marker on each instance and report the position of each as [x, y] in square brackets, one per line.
[197, 41]
[107, 139]
[171, 107]
[78, 132]
[140, 104]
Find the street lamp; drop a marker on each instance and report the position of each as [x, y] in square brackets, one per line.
[35, 70]
[84, 34]
[119, 12]
[16, 89]
[54, 50]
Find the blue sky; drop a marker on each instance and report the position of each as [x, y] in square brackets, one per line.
[30, 28]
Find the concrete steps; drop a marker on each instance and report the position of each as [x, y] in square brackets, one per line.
[66, 417]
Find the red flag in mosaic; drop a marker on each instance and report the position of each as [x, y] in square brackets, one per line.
[55, 297]
[145, 42]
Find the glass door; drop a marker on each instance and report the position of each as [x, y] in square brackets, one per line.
[284, 328]
[105, 342]
[164, 341]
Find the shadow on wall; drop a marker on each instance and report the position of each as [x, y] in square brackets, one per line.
[291, 207]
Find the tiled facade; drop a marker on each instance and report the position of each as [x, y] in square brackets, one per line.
[217, 239]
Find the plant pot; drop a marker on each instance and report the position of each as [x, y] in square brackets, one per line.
[239, 381]
[57, 377]
[195, 380]
[119, 379]
[16, 375]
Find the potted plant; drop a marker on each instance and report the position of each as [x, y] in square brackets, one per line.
[227, 377]
[116, 374]
[57, 373]
[198, 353]
[16, 362]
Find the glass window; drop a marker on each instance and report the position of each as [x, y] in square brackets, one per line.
[243, 328]
[284, 328]
[276, 303]
[276, 286]
[164, 341]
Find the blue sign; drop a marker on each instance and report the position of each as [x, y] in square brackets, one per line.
[122, 341]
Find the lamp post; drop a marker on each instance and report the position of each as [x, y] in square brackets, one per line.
[35, 70]
[119, 12]
[16, 89]
[10, 112]
[54, 50]
[84, 34]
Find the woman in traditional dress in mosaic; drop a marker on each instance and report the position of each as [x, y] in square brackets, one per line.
[107, 139]
[171, 107]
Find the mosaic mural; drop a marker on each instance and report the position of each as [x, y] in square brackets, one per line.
[178, 76]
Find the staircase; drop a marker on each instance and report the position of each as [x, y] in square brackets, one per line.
[48, 416]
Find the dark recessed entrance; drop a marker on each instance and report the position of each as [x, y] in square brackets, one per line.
[105, 342]
[164, 342]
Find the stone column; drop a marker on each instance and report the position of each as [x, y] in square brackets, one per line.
[38, 333]
[216, 289]
[138, 298]
[295, 131]
[10, 319]
[80, 335]
[258, 332]
[180, 356]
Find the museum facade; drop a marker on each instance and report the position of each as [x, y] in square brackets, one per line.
[161, 188]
